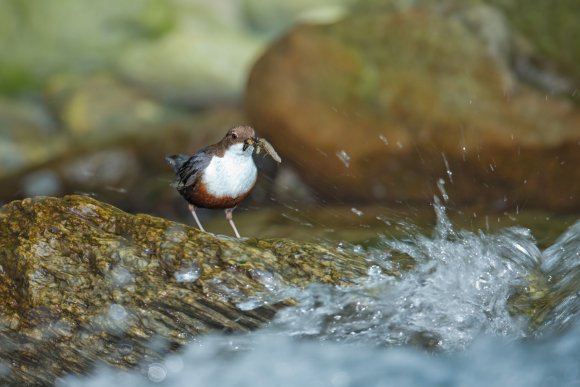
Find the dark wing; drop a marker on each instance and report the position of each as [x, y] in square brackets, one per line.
[188, 168]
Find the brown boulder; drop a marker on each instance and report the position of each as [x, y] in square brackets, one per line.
[382, 106]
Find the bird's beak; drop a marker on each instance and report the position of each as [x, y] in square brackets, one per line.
[250, 141]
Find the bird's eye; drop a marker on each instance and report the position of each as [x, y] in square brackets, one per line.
[234, 136]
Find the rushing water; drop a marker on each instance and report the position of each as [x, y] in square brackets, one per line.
[445, 322]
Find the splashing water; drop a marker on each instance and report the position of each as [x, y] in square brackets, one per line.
[344, 157]
[441, 186]
[447, 168]
[458, 290]
[356, 211]
[561, 265]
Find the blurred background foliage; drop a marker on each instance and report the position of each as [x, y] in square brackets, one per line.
[365, 100]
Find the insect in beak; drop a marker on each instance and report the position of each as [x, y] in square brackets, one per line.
[250, 141]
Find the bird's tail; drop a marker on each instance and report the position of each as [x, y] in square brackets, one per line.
[176, 161]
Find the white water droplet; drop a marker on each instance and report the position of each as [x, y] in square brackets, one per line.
[463, 152]
[374, 271]
[383, 219]
[357, 212]
[447, 168]
[156, 372]
[187, 275]
[250, 304]
[441, 186]
[384, 139]
[344, 157]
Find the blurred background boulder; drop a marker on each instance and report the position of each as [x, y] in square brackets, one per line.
[379, 102]
[390, 105]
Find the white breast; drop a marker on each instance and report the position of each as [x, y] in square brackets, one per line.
[233, 174]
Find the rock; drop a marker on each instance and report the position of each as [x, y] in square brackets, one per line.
[400, 105]
[83, 282]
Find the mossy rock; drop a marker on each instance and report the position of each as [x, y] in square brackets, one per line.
[82, 281]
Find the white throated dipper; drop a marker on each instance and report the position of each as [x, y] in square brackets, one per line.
[220, 175]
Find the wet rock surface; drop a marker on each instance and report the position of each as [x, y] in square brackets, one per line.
[83, 282]
[382, 105]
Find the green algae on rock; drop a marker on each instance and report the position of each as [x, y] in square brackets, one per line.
[82, 281]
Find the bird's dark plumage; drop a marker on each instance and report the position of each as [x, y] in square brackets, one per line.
[188, 168]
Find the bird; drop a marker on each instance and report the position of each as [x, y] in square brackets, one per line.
[219, 176]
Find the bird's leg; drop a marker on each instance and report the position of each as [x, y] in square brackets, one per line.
[230, 218]
[192, 209]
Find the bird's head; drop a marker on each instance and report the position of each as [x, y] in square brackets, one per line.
[242, 138]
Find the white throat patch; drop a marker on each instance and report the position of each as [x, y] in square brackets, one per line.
[233, 174]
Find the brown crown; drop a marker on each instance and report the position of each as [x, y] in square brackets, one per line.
[236, 135]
